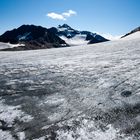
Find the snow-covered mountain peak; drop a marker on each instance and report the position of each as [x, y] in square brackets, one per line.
[65, 27]
[74, 37]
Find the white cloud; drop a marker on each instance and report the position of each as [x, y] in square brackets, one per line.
[62, 16]
[56, 16]
[69, 13]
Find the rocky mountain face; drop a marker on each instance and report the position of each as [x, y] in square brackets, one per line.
[132, 32]
[34, 37]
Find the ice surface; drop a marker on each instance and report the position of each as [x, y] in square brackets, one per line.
[8, 116]
[76, 40]
[21, 135]
[5, 135]
[72, 93]
[8, 45]
[13, 112]
[88, 132]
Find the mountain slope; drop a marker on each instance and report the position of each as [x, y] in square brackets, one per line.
[74, 37]
[34, 37]
[133, 34]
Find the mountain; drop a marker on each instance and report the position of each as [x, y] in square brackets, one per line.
[74, 37]
[33, 37]
[133, 34]
[30, 37]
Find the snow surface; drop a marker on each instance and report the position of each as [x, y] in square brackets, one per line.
[8, 45]
[76, 40]
[132, 36]
[24, 37]
[72, 93]
[13, 112]
[65, 29]
[87, 131]
[8, 115]
[5, 135]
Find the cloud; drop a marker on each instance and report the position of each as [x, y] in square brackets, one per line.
[56, 16]
[62, 16]
[69, 13]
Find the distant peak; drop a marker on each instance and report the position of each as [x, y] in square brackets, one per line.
[133, 31]
[64, 26]
[27, 25]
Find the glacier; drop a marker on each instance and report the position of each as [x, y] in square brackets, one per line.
[86, 92]
[9, 45]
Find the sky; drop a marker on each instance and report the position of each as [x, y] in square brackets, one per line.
[107, 17]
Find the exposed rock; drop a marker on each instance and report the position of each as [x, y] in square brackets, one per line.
[34, 37]
[126, 93]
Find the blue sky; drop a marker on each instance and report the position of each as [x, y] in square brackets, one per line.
[114, 17]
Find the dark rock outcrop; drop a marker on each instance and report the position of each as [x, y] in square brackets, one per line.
[34, 37]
